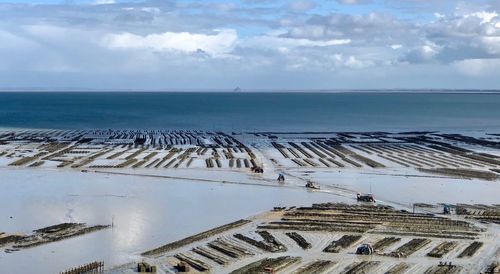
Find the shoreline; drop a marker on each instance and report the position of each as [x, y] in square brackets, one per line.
[258, 91]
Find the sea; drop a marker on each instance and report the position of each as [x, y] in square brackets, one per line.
[253, 111]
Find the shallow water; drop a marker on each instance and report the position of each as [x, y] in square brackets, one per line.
[252, 111]
[406, 190]
[146, 212]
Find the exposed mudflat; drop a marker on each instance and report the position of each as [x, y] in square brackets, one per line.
[157, 187]
[326, 239]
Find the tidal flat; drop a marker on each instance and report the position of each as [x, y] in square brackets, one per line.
[156, 187]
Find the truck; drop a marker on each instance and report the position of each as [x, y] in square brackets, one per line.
[365, 198]
[312, 185]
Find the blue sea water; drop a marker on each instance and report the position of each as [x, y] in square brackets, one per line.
[252, 111]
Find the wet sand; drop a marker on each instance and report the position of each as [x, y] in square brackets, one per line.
[96, 183]
[146, 212]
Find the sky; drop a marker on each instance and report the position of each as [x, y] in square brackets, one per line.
[251, 44]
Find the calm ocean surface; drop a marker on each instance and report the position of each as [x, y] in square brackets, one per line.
[251, 111]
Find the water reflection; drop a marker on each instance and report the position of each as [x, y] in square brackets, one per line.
[147, 212]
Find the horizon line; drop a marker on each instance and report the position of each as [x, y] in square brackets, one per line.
[256, 90]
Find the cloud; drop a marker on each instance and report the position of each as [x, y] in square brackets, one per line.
[220, 43]
[103, 2]
[276, 42]
[350, 61]
[353, 2]
[478, 67]
[301, 5]
[372, 28]
[423, 53]
[251, 42]
[485, 16]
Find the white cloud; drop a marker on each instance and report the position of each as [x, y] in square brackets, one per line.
[492, 44]
[116, 42]
[485, 16]
[354, 62]
[423, 53]
[225, 6]
[309, 31]
[439, 15]
[104, 2]
[218, 44]
[151, 10]
[301, 5]
[353, 2]
[429, 50]
[478, 67]
[276, 42]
